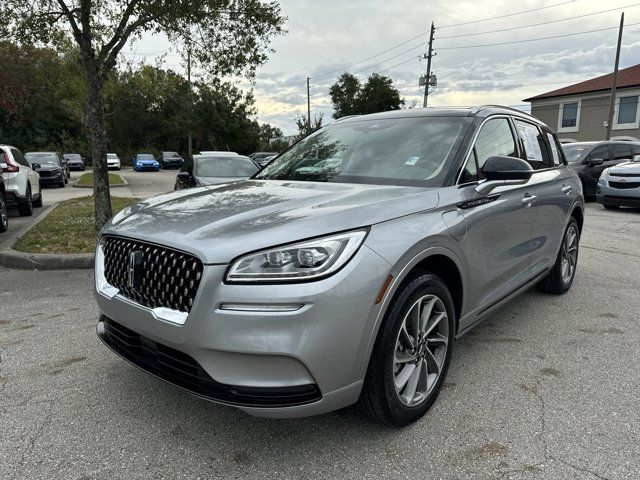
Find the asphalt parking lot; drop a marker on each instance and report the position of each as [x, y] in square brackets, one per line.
[548, 387]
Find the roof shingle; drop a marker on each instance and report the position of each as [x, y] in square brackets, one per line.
[627, 77]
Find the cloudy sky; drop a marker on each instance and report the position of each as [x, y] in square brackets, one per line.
[326, 38]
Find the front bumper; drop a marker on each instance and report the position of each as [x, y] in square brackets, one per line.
[313, 359]
[149, 167]
[618, 197]
[76, 166]
[57, 178]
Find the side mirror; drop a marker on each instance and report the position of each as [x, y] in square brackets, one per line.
[594, 162]
[185, 178]
[501, 171]
[636, 158]
[35, 166]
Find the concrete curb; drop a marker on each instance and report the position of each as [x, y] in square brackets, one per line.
[11, 258]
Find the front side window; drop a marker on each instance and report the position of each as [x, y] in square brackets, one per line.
[388, 151]
[569, 115]
[628, 110]
[600, 153]
[495, 139]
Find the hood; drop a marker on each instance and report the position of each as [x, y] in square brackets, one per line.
[219, 223]
[627, 168]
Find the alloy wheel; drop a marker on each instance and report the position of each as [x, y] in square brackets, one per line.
[4, 216]
[569, 254]
[421, 350]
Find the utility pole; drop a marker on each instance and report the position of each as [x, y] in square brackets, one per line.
[190, 96]
[614, 84]
[308, 106]
[429, 56]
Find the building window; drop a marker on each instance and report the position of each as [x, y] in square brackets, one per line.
[628, 110]
[570, 115]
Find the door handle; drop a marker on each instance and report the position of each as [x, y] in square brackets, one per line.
[567, 189]
[528, 199]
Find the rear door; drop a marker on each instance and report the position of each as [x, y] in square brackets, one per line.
[555, 190]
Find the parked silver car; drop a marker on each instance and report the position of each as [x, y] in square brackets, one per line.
[344, 271]
[619, 186]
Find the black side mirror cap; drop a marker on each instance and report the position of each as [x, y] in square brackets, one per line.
[506, 168]
[595, 161]
[35, 166]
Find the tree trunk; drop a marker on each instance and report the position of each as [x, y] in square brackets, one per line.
[95, 118]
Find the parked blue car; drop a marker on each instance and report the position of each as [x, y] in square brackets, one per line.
[145, 161]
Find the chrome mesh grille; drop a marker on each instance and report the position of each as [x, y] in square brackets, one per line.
[168, 278]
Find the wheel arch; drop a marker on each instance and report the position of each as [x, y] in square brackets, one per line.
[438, 260]
[578, 214]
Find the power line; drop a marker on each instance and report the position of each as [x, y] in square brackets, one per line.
[533, 39]
[539, 24]
[508, 15]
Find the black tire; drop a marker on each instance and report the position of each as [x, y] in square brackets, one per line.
[610, 207]
[38, 202]
[61, 184]
[554, 282]
[378, 400]
[4, 216]
[25, 208]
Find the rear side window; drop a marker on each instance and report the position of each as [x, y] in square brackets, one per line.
[555, 149]
[535, 147]
[621, 151]
[635, 147]
[18, 157]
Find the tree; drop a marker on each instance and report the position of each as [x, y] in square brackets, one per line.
[345, 95]
[304, 128]
[377, 94]
[225, 37]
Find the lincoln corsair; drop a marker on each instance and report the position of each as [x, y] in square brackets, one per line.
[343, 272]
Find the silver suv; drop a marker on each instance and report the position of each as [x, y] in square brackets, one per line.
[22, 182]
[343, 272]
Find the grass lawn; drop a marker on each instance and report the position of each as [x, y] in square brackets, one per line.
[86, 179]
[68, 229]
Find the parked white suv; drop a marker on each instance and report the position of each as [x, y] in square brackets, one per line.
[21, 182]
[113, 161]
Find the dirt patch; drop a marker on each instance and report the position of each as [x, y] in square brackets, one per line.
[486, 451]
[59, 367]
[550, 372]
[608, 315]
[614, 331]
[241, 457]
[526, 388]
[26, 327]
[5, 322]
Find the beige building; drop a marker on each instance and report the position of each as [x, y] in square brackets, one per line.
[579, 112]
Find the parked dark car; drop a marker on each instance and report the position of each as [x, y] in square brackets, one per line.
[214, 170]
[263, 158]
[50, 167]
[74, 161]
[590, 159]
[171, 160]
[145, 161]
[4, 216]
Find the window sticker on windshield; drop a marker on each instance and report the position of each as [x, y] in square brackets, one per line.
[412, 160]
[529, 134]
[554, 149]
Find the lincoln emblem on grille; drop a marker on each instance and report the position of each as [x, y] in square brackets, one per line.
[134, 269]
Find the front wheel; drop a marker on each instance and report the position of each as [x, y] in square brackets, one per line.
[412, 353]
[38, 203]
[561, 276]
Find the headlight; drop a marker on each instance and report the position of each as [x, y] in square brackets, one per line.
[605, 173]
[304, 261]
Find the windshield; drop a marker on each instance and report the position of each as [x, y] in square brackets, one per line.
[400, 151]
[41, 158]
[145, 156]
[225, 167]
[576, 153]
[112, 156]
[72, 156]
